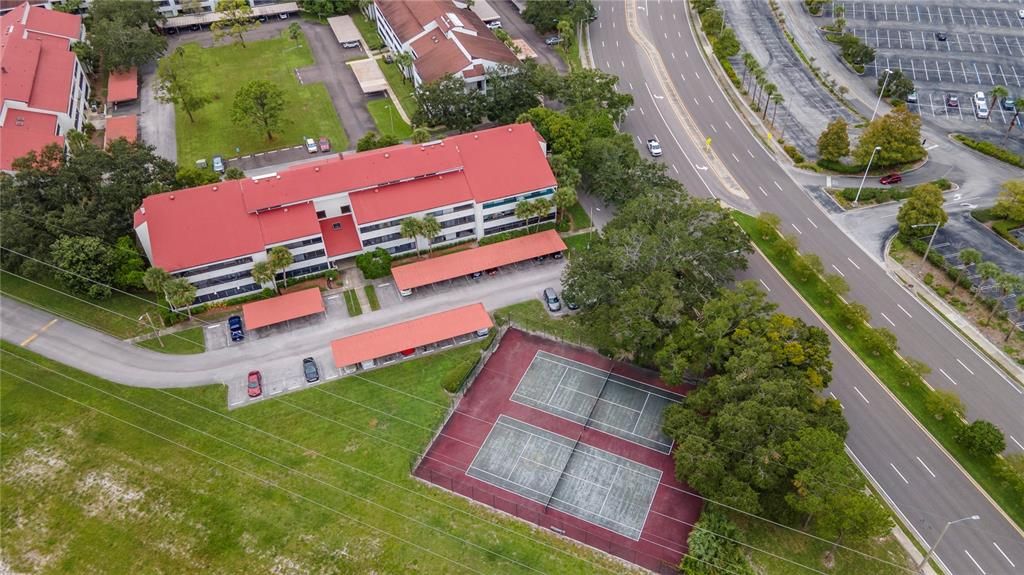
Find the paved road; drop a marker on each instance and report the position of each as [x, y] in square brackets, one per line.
[887, 441]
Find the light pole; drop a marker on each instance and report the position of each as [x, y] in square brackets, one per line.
[888, 73]
[866, 170]
[932, 239]
[390, 117]
[931, 550]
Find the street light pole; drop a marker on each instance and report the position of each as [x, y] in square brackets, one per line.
[888, 73]
[866, 170]
[932, 239]
[931, 550]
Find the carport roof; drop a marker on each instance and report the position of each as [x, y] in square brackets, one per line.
[410, 334]
[121, 127]
[477, 260]
[123, 86]
[369, 75]
[344, 29]
[283, 308]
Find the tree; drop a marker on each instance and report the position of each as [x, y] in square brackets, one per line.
[834, 141]
[155, 279]
[749, 65]
[430, 228]
[412, 228]
[544, 14]
[512, 91]
[1010, 203]
[263, 273]
[180, 293]
[87, 265]
[233, 173]
[587, 90]
[447, 102]
[1009, 283]
[726, 45]
[279, 259]
[769, 89]
[235, 20]
[987, 271]
[855, 51]
[375, 264]
[981, 438]
[998, 92]
[944, 404]
[822, 471]
[404, 61]
[857, 517]
[259, 103]
[898, 133]
[712, 547]
[968, 257]
[564, 135]
[176, 85]
[373, 141]
[528, 210]
[295, 32]
[1018, 305]
[923, 207]
[777, 98]
[122, 44]
[421, 135]
[854, 314]
[897, 85]
[567, 31]
[190, 177]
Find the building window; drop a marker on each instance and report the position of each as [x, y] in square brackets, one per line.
[517, 224]
[308, 256]
[214, 267]
[222, 279]
[380, 240]
[336, 226]
[232, 292]
[499, 215]
[530, 196]
[457, 222]
[402, 248]
[321, 214]
[302, 243]
[306, 270]
[346, 210]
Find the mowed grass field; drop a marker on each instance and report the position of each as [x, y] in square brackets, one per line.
[221, 70]
[102, 478]
[388, 121]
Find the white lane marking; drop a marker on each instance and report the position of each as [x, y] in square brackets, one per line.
[770, 289]
[898, 473]
[905, 311]
[926, 467]
[215, 326]
[728, 124]
[630, 86]
[710, 99]
[839, 271]
[853, 262]
[734, 157]
[1014, 439]
[678, 145]
[943, 372]
[812, 223]
[1012, 564]
[687, 52]
[975, 562]
[964, 366]
[762, 191]
[797, 229]
[861, 394]
[695, 101]
[777, 185]
[673, 55]
[888, 320]
[681, 76]
[675, 169]
[697, 74]
[714, 128]
[642, 112]
[639, 140]
[751, 154]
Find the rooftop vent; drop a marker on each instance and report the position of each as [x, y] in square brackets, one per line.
[19, 121]
[215, 188]
[387, 155]
[510, 130]
[171, 196]
[316, 169]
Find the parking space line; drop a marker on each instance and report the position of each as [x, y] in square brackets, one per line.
[965, 71]
[977, 72]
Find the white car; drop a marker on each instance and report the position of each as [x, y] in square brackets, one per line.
[654, 147]
[1020, 14]
[494, 25]
[980, 105]
[310, 145]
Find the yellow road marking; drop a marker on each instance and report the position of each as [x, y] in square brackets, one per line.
[39, 332]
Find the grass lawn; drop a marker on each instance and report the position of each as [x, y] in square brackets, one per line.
[352, 303]
[400, 85]
[368, 30]
[577, 242]
[181, 343]
[388, 121]
[533, 316]
[116, 315]
[580, 218]
[311, 482]
[220, 71]
[371, 296]
[888, 367]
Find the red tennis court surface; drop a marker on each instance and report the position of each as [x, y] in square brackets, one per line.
[662, 541]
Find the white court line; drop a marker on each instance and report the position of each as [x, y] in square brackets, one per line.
[943, 372]
[641, 415]
[515, 464]
[925, 467]
[971, 557]
[965, 367]
[557, 385]
[898, 473]
[608, 426]
[669, 395]
[861, 394]
[1012, 564]
[888, 320]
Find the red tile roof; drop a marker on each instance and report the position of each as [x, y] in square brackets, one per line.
[283, 308]
[479, 259]
[15, 141]
[408, 18]
[293, 222]
[54, 23]
[504, 161]
[341, 241]
[126, 127]
[410, 334]
[410, 197]
[123, 86]
[35, 56]
[52, 86]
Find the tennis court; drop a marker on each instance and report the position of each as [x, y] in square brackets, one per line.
[600, 399]
[564, 474]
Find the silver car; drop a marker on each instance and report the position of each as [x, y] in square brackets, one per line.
[551, 300]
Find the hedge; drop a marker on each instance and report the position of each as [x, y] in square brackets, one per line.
[516, 233]
[375, 264]
[992, 150]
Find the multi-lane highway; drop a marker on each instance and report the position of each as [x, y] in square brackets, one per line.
[650, 46]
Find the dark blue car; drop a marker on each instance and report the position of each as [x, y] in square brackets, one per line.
[235, 327]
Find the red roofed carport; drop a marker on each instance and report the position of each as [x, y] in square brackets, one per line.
[123, 86]
[283, 308]
[475, 260]
[363, 349]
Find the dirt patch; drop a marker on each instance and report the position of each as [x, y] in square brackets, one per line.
[35, 466]
[108, 496]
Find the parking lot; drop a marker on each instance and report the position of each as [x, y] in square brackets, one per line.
[999, 15]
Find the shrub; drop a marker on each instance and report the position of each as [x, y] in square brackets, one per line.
[713, 548]
[929, 279]
[515, 234]
[840, 167]
[981, 438]
[990, 149]
[375, 264]
[793, 153]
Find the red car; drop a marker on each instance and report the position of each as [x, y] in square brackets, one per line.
[255, 387]
[325, 144]
[890, 179]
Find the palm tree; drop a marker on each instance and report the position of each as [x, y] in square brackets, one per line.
[429, 229]
[759, 77]
[1019, 305]
[411, 228]
[987, 271]
[263, 274]
[180, 294]
[525, 211]
[769, 89]
[969, 257]
[404, 61]
[748, 64]
[155, 279]
[776, 99]
[279, 259]
[998, 92]
[421, 135]
[1008, 283]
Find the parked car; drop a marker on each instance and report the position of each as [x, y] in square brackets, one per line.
[310, 370]
[492, 271]
[539, 259]
[1020, 13]
[551, 300]
[654, 147]
[940, 36]
[255, 385]
[282, 16]
[980, 105]
[557, 255]
[494, 25]
[218, 164]
[1008, 104]
[325, 144]
[571, 304]
[890, 179]
[475, 275]
[352, 44]
[952, 101]
[310, 145]
[552, 40]
[912, 97]
[235, 328]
